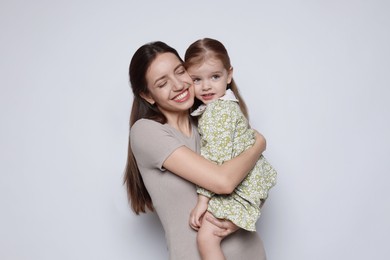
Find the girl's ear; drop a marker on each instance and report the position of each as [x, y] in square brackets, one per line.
[230, 75]
[148, 98]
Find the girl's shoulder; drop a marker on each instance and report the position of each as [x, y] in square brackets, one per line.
[221, 110]
[224, 105]
[223, 102]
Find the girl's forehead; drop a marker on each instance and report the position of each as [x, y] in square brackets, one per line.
[212, 60]
[209, 62]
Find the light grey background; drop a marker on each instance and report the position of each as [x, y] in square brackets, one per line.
[315, 75]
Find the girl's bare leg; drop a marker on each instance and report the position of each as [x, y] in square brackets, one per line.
[209, 245]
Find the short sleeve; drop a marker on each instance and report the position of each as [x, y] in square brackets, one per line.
[152, 143]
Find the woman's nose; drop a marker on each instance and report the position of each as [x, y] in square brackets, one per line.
[178, 85]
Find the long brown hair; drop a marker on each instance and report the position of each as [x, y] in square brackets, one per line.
[205, 48]
[137, 194]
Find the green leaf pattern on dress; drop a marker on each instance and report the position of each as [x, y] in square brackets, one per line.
[225, 134]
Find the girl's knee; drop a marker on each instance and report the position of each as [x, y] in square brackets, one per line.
[206, 234]
[204, 237]
[209, 245]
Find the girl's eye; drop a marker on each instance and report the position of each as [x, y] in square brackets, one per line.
[196, 80]
[215, 77]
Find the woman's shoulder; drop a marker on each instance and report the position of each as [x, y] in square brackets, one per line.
[146, 128]
[145, 123]
[145, 133]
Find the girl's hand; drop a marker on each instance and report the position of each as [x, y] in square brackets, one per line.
[197, 214]
[226, 227]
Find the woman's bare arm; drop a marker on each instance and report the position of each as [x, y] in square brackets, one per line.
[221, 179]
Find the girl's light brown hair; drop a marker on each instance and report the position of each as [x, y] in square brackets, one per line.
[206, 48]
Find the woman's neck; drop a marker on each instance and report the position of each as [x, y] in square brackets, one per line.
[181, 123]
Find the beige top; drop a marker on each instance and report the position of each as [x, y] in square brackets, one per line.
[174, 197]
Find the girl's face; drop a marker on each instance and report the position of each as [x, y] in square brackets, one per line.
[210, 79]
[170, 87]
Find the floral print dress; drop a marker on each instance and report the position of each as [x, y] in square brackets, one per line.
[225, 133]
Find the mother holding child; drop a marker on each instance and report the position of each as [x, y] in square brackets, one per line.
[165, 168]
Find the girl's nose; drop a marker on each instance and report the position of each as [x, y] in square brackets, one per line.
[205, 86]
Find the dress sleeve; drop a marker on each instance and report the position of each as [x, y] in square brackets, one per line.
[152, 143]
[219, 124]
[204, 192]
[218, 127]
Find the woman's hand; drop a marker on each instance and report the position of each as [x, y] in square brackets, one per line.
[260, 141]
[226, 227]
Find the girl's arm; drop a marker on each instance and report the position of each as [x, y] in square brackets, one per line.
[197, 213]
[221, 179]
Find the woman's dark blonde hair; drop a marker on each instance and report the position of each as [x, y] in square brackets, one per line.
[137, 194]
[206, 48]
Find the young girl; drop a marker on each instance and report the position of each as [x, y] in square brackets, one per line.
[225, 133]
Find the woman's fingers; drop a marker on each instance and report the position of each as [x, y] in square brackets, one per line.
[217, 222]
[225, 227]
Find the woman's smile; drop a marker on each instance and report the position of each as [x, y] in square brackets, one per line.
[182, 97]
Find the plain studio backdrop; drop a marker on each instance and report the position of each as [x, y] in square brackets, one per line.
[315, 75]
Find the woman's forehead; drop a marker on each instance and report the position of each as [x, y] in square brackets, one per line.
[163, 64]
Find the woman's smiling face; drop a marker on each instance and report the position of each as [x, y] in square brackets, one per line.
[170, 86]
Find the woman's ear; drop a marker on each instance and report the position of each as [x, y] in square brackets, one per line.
[148, 98]
[230, 75]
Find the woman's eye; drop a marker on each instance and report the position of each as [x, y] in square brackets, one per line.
[161, 85]
[181, 70]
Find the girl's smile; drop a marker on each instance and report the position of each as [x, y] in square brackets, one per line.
[208, 97]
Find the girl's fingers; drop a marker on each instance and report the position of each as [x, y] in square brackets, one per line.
[193, 223]
[193, 226]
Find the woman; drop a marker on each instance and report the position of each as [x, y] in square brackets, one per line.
[163, 161]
